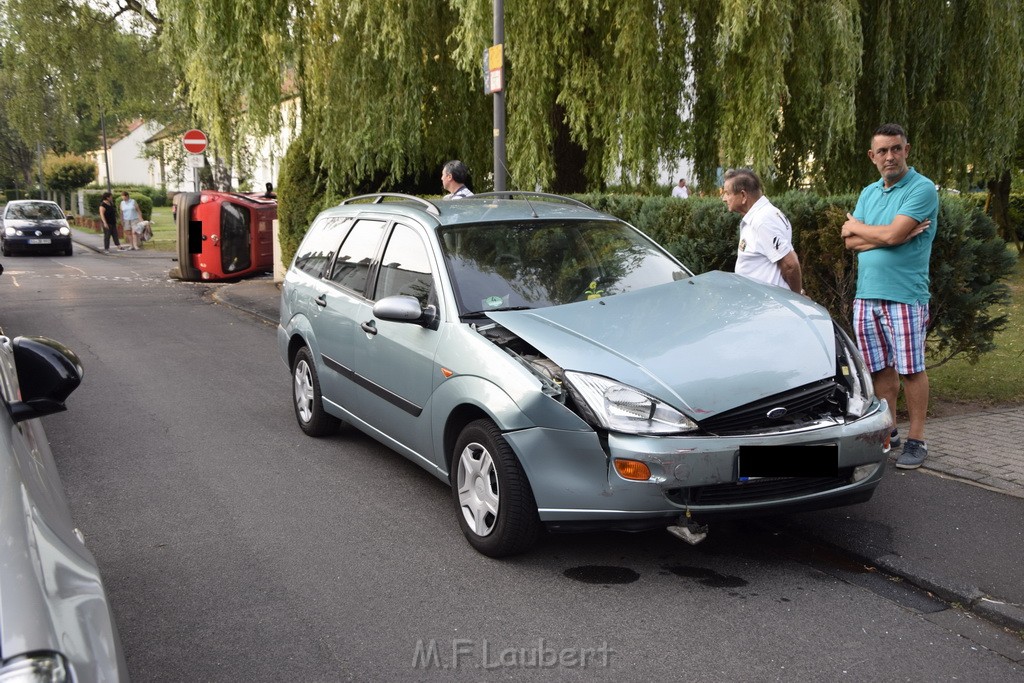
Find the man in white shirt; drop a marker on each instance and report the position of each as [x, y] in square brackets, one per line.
[766, 238]
[454, 177]
[680, 191]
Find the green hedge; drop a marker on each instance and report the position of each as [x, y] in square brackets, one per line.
[969, 259]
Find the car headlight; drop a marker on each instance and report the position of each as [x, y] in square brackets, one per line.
[621, 408]
[10, 232]
[860, 388]
[65, 230]
[37, 668]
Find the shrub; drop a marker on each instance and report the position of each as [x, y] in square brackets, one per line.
[301, 194]
[68, 172]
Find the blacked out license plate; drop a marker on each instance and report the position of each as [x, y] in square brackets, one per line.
[821, 460]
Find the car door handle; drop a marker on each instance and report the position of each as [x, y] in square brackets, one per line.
[369, 327]
[321, 300]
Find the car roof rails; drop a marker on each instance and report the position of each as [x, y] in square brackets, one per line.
[511, 194]
[379, 197]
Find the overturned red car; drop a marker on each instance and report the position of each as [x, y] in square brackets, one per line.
[224, 235]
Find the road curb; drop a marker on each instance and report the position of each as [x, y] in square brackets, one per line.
[968, 597]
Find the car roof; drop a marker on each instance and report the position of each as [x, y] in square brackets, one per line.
[32, 201]
[480, 208]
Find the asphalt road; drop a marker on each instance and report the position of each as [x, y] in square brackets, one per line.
[235, 548]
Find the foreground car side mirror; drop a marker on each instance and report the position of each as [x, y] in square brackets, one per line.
[406, 309]
[48, 372]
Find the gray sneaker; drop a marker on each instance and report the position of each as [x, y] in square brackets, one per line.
[913, 455]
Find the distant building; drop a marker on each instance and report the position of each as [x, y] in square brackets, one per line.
[128, 163]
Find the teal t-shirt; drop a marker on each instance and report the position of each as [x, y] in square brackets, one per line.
[897, 273]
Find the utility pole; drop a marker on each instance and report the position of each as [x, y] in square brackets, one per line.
[106, 161]
[39, 152]
[499, 103]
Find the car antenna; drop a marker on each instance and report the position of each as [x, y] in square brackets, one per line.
[509, 176]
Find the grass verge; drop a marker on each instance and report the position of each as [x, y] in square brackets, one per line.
[998, 377]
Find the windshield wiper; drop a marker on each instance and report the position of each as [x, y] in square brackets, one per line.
[482, 314]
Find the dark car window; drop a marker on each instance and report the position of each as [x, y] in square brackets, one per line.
[317, 251]
[534, 265]
[235, 237]
[34, 211]
[352, 266]
[405, 268]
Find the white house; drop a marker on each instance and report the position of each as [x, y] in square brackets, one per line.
[126, 162]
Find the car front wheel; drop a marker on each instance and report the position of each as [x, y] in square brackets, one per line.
[493, 499]
[307, 399]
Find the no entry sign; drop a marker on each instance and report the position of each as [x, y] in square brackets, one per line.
[194, 141]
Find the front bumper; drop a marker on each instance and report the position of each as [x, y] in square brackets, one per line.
[576, 485]
[20, 243]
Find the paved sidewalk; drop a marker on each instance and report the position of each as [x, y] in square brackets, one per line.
[986, 448]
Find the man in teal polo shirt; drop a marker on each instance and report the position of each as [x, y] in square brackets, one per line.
[892, 230]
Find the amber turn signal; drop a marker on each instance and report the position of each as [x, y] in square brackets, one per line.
[633, 469]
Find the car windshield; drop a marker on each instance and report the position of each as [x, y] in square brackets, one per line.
[511, 266]
[34, 211]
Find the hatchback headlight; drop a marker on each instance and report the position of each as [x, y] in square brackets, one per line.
[621, 408]
[65, 230]
[861, 390]
[10, 232]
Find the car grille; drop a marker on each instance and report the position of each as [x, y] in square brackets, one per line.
[758, 490]
[803, 404]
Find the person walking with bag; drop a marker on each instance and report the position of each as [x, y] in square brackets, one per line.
[108, 218]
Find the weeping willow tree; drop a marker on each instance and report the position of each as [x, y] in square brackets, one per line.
[64, 63]
[391, 89]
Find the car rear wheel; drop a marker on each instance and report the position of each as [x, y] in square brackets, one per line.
[493, 499]
[307, 399]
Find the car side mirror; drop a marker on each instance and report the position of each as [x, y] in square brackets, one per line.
[406, 309]
[48, 372]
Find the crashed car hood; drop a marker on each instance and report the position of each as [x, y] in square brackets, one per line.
[705, 344]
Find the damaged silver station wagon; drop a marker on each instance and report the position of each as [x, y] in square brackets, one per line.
[561, 370]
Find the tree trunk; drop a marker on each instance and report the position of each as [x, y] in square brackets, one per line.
[999, 209]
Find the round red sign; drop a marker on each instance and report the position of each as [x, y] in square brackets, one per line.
[194, 141]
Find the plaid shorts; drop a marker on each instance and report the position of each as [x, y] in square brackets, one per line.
[891, 334]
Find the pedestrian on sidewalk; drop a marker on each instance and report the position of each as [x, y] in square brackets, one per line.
[108, 218]
[130, 218]
[891, 230]
[765, 251]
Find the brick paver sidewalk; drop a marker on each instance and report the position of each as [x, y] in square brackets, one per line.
[986, 447]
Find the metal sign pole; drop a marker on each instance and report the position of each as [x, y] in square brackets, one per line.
[499, 104]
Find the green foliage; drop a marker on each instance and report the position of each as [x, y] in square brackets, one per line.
[65, 62]
[301, 194]
[968, 266]
[68, 172]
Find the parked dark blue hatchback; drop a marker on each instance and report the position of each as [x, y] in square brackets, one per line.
[32, 225]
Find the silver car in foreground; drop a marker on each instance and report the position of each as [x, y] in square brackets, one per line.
[561, 370]
[55, 621]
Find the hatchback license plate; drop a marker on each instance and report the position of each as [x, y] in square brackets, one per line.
[44, 240]
[789, 461]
